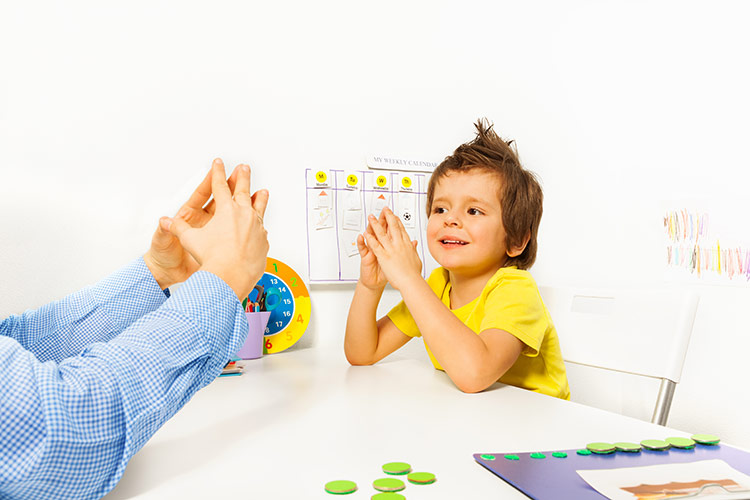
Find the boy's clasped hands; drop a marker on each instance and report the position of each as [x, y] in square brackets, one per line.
[388, 254]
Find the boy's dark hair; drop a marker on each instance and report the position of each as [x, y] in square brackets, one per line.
[520, 193]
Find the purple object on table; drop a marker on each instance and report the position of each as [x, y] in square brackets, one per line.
[557, 479]
[253, 346]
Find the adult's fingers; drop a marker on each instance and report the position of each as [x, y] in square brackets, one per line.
[219, 184]
[242, 186]
[260, 202]
[201, 194]
[231, 182]
[176, 225]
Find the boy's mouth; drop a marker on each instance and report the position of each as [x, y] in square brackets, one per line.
[453, 242]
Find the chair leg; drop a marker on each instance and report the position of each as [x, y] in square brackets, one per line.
[663, 402]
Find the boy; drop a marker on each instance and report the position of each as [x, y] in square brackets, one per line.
[480, 314]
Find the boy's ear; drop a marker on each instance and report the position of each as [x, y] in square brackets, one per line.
[515, 251]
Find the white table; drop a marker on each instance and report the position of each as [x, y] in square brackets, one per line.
[296, 420]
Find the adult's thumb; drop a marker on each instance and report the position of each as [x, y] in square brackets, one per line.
[177, 226]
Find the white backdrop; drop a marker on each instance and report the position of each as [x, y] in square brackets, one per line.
[110, 113]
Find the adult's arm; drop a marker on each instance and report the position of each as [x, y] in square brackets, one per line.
[68, 429]
[94, 314]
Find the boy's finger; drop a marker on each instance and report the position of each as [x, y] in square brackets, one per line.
[260, 202]
[395, 226]
[361, 245]
[219, 184]
[374, 244]
[378, 229]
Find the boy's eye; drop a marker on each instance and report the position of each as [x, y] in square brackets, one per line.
[475, 211]
[438, 210]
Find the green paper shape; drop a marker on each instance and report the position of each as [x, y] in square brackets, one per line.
[537, 455]
[397, 468]
[559, 454]
[654, 444]
[600, 447]
[628, 447]
[388, 496]
[584, 452]
[487, 457]
[707, 439]
[388, 484]
[341, 487]
[421, 477]
[681, 442]
[512, 457]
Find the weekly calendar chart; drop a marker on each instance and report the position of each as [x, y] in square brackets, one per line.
[338, 203]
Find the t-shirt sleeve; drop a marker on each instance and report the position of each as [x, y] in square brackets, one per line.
[403, 320]
[514, 305]
[400, 314]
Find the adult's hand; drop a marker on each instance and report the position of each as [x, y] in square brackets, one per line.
[167, 260]
[233, 243]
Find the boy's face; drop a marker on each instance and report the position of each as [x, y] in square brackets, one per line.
[465, 232]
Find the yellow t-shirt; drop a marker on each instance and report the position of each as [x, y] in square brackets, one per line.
[510, 301]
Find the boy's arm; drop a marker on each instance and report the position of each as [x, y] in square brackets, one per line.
[367, 341]
[473, 362]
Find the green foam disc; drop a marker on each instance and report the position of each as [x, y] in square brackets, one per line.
[388, 484]
[512, 457]
[708, 439]
[628, 447]
[583, 452]
[537, 455]
[421, 477]
[680, 442]
[559, 454]
[341, 487]
[487, 457]
[601, 448]
[397, 468]
[387, 496]
[654, 444]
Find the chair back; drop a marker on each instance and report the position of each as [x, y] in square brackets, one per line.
[638, 332]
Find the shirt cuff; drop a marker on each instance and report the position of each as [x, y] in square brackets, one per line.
[209, 302]
[128, 294]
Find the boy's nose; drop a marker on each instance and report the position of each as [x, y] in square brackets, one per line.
[452, 220]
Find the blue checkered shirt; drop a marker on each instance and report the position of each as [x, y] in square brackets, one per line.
[86, 381]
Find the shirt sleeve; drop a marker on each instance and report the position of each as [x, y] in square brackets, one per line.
[514, 305]
[68, 429]
[95, 314]
[403, 320]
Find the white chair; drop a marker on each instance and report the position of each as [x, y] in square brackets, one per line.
[638, 332]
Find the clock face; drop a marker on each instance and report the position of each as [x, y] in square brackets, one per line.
[288, 300]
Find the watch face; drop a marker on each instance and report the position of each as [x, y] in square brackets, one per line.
[282, 292]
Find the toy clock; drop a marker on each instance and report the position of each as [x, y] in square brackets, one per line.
[282, 292]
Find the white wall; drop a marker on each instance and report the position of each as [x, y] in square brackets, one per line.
[109, 112]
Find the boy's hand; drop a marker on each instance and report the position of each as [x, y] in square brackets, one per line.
[396, 253]
[370, 273]
[167, 260]
[233, 244]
